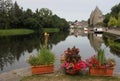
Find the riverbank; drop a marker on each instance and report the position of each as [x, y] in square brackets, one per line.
[113, 31]
[11, 32]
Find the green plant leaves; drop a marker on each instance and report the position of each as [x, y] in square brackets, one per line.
[44, 56]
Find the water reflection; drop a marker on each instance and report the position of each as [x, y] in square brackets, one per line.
[12, 48]
[88, 45]
[109, 41]
[15, 49]
[78, 32]
[95, 40]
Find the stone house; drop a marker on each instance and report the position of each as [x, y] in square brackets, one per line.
[96, 17]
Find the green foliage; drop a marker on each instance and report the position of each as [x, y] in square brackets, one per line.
[110, 41]
[101, 56]
[34, 60]
[115, 10]
[45, 12]
[106, 20]
[118, 23]
[116, 45]
[44, 56]
[112, 21]
[114, 13]
[33, 24]
[37, 20]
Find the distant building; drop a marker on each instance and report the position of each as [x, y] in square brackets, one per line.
[78, 24]
[84, 24]
[96, 17]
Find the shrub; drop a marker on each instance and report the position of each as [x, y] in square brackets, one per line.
[44, 57]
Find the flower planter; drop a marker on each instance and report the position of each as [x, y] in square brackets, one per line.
[72, 72]
[101, 71]
[42, 69]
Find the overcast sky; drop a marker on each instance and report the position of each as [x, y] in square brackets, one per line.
[71, 10]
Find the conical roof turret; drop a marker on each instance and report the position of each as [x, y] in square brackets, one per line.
[96, 16]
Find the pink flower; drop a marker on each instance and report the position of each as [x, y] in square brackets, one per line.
[107, 66]
[90, 65]
[66, 65]
[83, 64]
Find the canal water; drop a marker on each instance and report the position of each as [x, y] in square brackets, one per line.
[15, 50]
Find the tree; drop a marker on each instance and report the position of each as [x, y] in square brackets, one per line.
[118, 20]
[32, 23]
[1, 5]
[28, 13]
[16, 14]
[8, 5]
[44, 12]
[115, 10]
[112, 21]
[60, 23]
[106, 20]
[4, 21]
[5, 5]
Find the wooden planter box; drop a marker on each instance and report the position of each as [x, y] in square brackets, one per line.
[42, 69]
[101, 71]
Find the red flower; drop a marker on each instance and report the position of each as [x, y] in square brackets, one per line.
[77, 66]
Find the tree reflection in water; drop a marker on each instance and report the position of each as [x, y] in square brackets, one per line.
[11, 48]
[109, 41]
[14, 47]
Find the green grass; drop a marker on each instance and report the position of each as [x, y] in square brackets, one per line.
[68, 78]
[11, 32]
[49, 30]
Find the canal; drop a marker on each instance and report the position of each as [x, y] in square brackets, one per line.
[15, 50]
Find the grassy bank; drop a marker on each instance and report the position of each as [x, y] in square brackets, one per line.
[11, 32]
[49, 30]
[68, 78]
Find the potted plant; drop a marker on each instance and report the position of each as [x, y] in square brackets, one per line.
[71, 61]
[43, 62]
[99, 65]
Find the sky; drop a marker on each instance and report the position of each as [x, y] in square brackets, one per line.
[71, 10]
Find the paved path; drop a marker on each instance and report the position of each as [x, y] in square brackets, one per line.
[114, 31]
[15, 75]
